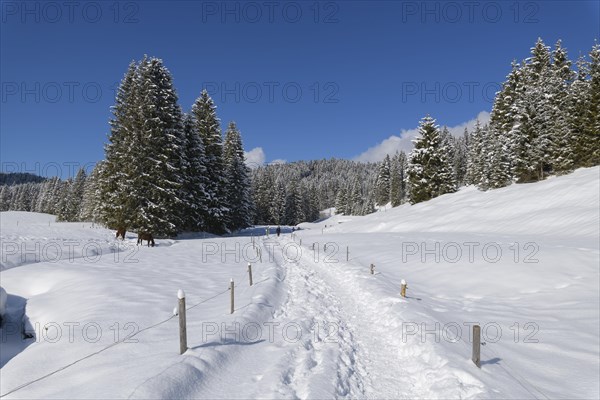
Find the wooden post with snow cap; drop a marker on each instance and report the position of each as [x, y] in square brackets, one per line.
[231, 287]
[476, 357]
[403, 287]
[372, 269]
[250, 273]
[182, 322]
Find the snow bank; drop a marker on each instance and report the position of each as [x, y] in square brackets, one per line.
[565, 205]
[29, 238]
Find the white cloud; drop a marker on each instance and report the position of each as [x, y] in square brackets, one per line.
[255, 157]
[403, 142]
[483, 117]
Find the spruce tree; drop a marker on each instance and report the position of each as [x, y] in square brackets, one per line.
[398, 179]
[238, 184]
[382, 188]
[341, 201]
[115, 179]
[355, 199]
[590, 155]
[156, 183]
[277, 209]
[194, 194]
[429, 170]
[208, 126]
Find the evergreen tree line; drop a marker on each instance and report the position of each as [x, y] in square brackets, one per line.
[65, 199]
[295, 192]
[545, 121]
[15, 178]
[167, 171]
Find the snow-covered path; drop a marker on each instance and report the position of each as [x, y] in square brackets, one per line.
[374, 361]
[330, 341]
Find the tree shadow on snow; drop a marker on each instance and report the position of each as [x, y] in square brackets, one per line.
[495, 360]
[227, 342]
[16, 332]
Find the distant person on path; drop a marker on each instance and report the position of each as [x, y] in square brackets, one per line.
[278, 230]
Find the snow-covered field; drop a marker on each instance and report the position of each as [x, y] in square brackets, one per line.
[522, 262]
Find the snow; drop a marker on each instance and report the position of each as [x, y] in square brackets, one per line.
[314, 325]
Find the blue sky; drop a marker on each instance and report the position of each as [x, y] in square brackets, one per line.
[302, 79]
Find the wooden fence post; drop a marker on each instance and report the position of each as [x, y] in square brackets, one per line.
[347, 253]
[476, 345]
[250, 273]
[403, 287]
[372, 269]
[182, 323]
[231, 287]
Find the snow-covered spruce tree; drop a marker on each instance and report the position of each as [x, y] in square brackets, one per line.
[460, 158]
[208, 126]
[156, 183]
[74, 198]
[368, 205]
[62, 209]
[590, 156]
[263, 193]
[523, 138]
[398, 179]
[277, 210]
[356, 199]
[239, 198]
[560, 77]
[341, 201]
[115, 205]
[429, 170]
[311, 201]
[577, 108]
[5, 196]
[495, 163]
[531, 139]
[140, 182]
[194, 195]
[293, 205]
[504, 111]
[90, 206]
[382, 186]
[449, 148]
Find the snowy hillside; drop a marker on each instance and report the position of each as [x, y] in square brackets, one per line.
[522, 262]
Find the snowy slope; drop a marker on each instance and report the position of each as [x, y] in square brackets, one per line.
[34, 237]
[314, 325]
